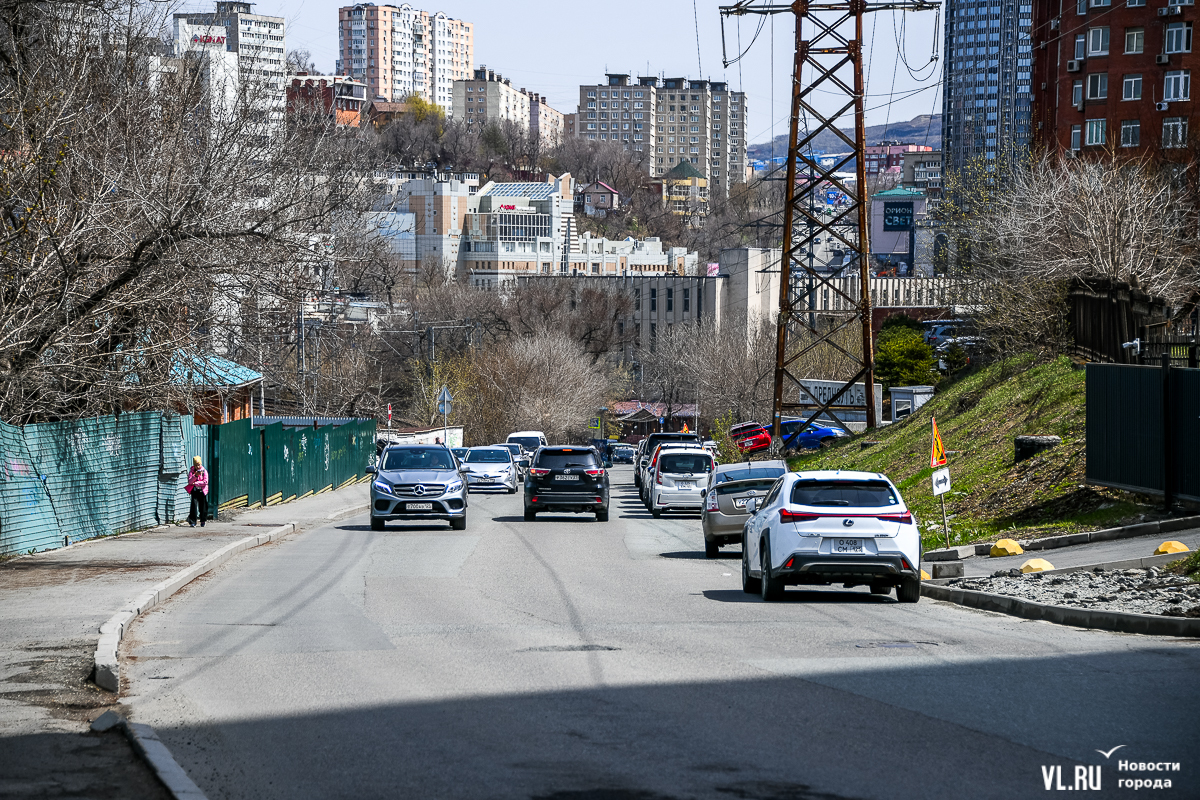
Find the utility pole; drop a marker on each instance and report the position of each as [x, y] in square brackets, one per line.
[833, 55]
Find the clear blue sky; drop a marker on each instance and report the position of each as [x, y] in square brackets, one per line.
[552, 46]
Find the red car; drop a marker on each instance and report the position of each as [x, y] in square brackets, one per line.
[750, 437]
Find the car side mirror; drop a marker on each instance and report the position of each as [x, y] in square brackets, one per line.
[752, 505]
[372, 470]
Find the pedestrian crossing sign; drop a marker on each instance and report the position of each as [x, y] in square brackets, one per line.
[937, 458]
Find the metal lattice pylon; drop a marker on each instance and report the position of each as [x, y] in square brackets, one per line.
[832, 57]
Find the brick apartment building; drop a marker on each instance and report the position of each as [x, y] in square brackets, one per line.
[889, 156]
[1113, 74]
[342, 99]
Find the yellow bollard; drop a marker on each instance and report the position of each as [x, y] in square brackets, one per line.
[1170, 547]
[1006, 547]
[1036, 565]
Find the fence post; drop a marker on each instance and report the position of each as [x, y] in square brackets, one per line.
[1193, 363]
[1168, 476]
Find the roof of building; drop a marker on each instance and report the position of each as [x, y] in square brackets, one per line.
[683, 171]
[626, 409]
[210, 371]
[597, 183]
[900, 191]
[534, 191]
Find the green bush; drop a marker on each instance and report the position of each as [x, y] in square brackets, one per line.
[903, 359]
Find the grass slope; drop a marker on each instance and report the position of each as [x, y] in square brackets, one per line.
[978, 416]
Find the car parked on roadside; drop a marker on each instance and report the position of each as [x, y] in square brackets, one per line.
[679, 479]
[650, 443]
[729, 488]
[418, 483]
[750, 437]
[566, 478]
[492, 467]
[826, 527]
[796, 435]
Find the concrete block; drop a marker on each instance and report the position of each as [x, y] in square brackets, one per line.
[107, 721]
[983, 549]
[1036, 565]
[1172, 546]
[948, 569]
[1180, 524]
[950, 553]
[107, 674]
[1006, 547]
[146, 742]
[1065, 540]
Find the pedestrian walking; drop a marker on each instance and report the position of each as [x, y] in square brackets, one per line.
[197, 487]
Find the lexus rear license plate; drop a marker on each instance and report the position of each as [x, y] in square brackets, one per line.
[847, 545]
[419, 507]
[566, 477]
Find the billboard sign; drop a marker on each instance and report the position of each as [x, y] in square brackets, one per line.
[898, 216]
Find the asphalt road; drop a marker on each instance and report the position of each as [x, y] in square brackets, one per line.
[577, 660]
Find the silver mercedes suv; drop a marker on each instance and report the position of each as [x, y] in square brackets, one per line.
[418, 482]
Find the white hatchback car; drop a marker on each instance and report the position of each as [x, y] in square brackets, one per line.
[680, 478]
[851, 528]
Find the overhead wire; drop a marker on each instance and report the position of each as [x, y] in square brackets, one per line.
[696, 17]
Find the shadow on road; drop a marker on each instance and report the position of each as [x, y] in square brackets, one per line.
[792, 595]
[392, 527]
[588, 518]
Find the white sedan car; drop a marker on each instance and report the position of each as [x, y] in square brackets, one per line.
[826, 527]
[491, 467]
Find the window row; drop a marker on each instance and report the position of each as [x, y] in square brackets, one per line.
[1095, 132]
[1177, 87]
[1177, 39]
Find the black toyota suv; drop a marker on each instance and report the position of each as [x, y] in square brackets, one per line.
[566, 479]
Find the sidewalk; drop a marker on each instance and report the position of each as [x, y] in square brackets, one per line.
[1080, 555]
[51, 607]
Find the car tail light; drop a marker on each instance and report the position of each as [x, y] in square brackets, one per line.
[789, 562]
[712, 502]
[595, 473]
[599, 499]
[539, 473]
[904, 563]
[658, 478]
[792, 516]
[903, 519]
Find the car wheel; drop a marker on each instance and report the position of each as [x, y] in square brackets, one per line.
[602, 516]
[881, 588]
[772, 587]
[827, 442]
[530, 515]
[376, 524]
[655, 512]
[909, 590]
[711, 549]
[749, 585]
[459, 523]
[512, 490]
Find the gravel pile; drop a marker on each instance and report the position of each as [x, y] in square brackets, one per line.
[1136, 591]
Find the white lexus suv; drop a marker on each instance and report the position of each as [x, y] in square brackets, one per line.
[826, 527]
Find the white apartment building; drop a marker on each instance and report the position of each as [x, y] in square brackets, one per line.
[489, 96]
[400, 51]
[257, 40]
[671, 120]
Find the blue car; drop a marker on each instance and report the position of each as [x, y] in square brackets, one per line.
[813, 437]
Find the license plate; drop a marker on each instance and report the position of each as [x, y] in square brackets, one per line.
[418, 507]
[685, 484]
[847, 545]
[741, 502]
[566, 477]
[487, 480]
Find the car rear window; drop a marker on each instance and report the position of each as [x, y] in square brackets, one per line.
[673, 463]
[528, 442]
[561, 459]
[418, 458]
[868, 494]
[492, 456]
[745, 486]
[746, 474]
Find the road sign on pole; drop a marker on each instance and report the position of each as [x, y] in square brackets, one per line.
[389, 415]
[937, 455]
[444, 396]
[941, 481]
[594, 424]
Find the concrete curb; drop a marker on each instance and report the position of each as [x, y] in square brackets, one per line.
[1070, 539]
[106, 668]
[1118, 621]
[147, 744]
[348, 512]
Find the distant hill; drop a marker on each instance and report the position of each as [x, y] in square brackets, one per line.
[925, 129]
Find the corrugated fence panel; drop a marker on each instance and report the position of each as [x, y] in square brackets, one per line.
[239, 465]
[1124, 426]
[76, 458]
[195, 443]
[172, 465]
[1185, 430]
[27, 518]
[133, 485]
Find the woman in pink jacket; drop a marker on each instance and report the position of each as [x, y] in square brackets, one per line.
[197, 487]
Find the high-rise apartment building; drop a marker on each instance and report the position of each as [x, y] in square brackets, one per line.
[986, 92]
[1114, 75]
[401, 51]
[257, 40]
[672, 120]
[489, 96]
